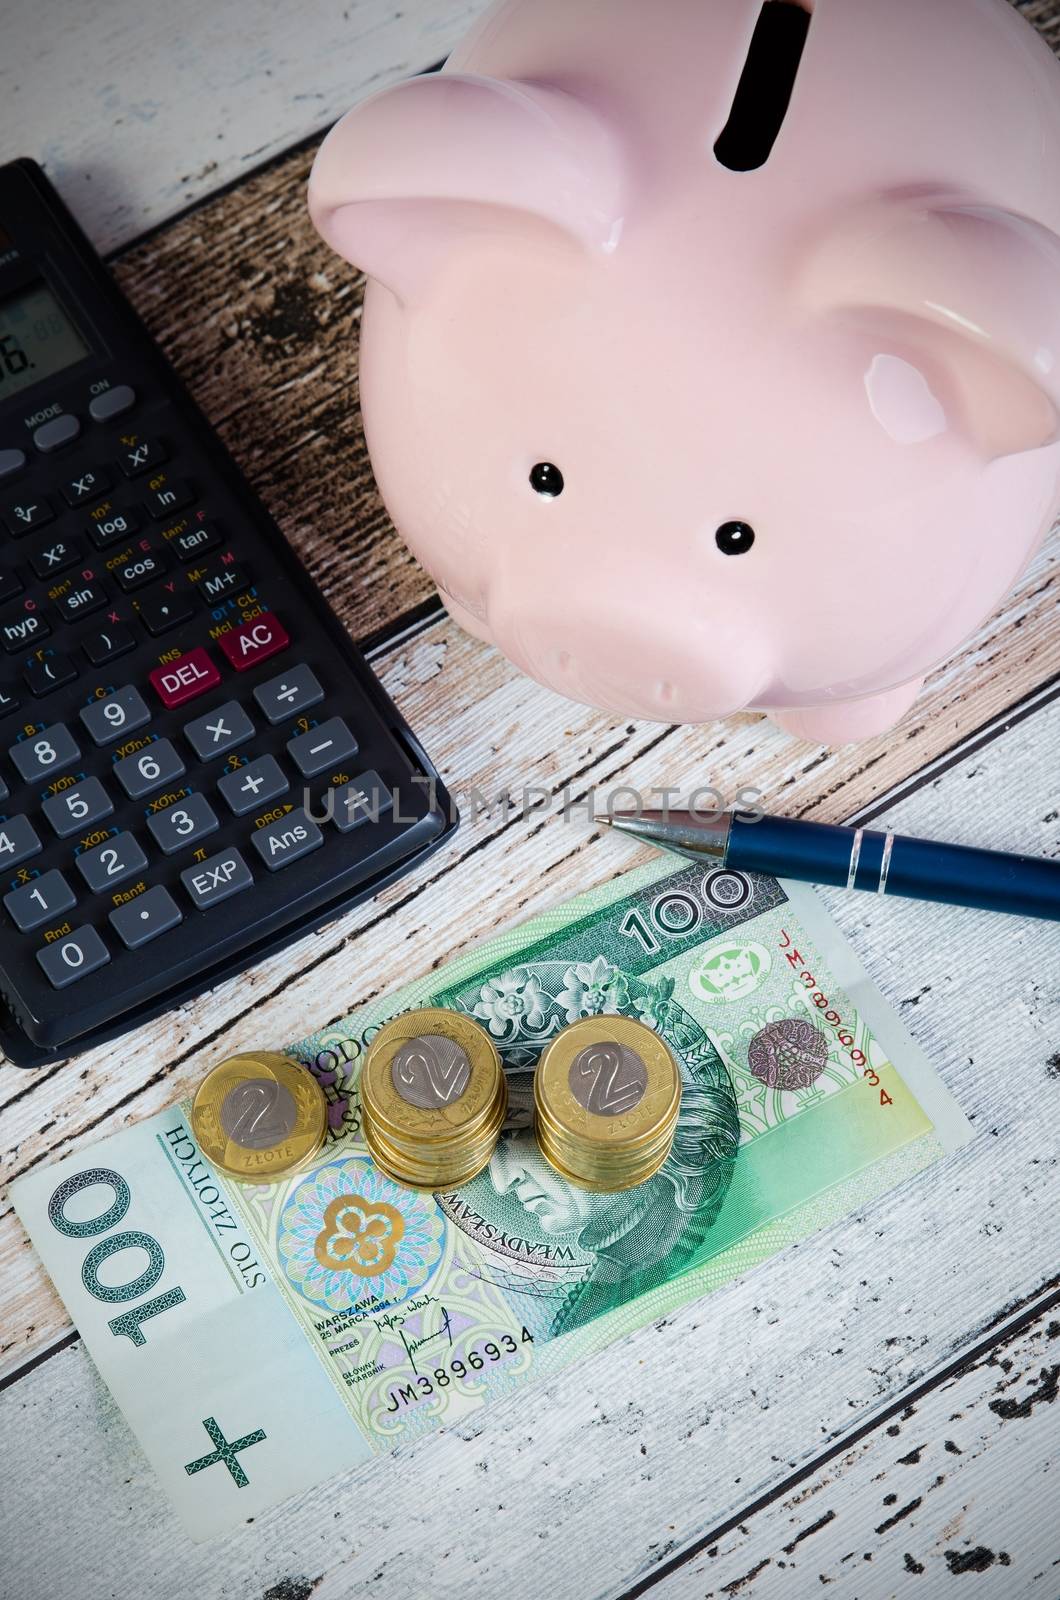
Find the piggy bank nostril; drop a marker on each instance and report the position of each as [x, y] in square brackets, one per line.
[734, 538]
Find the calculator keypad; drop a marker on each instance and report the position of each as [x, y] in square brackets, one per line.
[132, 807]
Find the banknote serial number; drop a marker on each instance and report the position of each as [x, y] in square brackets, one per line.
[828, 1013]
[424, 1384]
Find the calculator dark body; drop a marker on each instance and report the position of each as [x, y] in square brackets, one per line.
[155, 557]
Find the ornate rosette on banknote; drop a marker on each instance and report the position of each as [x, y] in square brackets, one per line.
[260, 1339]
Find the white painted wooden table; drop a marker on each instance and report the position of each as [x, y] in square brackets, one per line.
[872, 1413]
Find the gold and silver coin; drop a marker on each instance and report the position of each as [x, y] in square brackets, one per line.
[259, 1117]
[607, 1092]
[433, 1098]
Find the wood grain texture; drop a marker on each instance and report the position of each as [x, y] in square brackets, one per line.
[271, 356]
[600, 1477]
[138, 109]
[940, 1492]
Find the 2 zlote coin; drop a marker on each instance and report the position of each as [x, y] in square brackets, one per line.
[259, 1117]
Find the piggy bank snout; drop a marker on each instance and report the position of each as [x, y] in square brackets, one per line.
[634, 658]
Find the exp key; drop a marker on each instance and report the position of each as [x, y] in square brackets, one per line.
[216, 879]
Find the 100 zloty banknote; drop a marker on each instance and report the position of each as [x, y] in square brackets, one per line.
[262, 1338]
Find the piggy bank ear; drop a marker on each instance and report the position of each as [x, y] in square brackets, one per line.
[408, 173]
[978, 288]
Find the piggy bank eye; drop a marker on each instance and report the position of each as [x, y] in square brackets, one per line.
[546, 479]
[734, 538]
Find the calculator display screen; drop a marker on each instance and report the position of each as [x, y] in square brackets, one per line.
[37, 339]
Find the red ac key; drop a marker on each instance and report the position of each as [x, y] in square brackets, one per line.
[254, 641]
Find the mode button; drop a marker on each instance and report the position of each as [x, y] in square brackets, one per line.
[61, 430]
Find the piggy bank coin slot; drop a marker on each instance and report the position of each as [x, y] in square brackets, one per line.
[766, 85]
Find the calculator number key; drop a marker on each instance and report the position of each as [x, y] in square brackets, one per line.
[144, 918]
[149, 769]
[18, 841]
[78, 808]
[117, 715]
[48, 896]
[321, 747]
[111, 862]
[183, 823]
[42, 755]
[219, 731]
[74, 957]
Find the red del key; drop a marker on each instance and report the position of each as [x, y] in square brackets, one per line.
[184, 678]
[254, 641]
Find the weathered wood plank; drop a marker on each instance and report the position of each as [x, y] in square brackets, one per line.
[138, 110]
[957, 1484]
[271, 356]
[595, 1478]
[497, 735]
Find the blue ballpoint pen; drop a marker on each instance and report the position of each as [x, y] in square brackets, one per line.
[853, 858]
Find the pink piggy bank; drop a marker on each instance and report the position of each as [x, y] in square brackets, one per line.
[711, 353]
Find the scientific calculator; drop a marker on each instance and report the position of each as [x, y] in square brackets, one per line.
[196, 766]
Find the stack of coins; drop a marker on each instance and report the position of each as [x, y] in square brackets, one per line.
[259, 1117]
[433, 1099]
[606, 1096]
